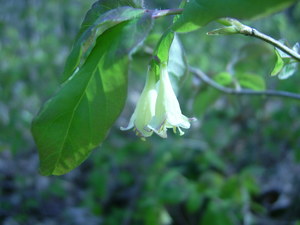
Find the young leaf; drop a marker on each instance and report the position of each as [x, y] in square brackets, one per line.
[279, 64]
[198, 13]
[285, 65]
[78, 117]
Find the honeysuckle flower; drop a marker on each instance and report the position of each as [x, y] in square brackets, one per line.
[167, 109]
[145, 108]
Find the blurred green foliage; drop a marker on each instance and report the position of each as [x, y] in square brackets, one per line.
[236, 165]
[36, 37]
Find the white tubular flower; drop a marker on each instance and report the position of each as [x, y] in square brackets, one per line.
[167, 110]
[145, 108]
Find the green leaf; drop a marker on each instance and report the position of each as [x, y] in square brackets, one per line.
[249, 181]
[161, 51]
[164, 45]
[172, 187]
[194, 200]
[98, 19]
[198, 13]
[297, 155]
[78, 117]
[207, 97]
[217, 214]
[204, 100]
[251, 81]
[279, 64]
[285, 65]
[231, 189]
[253, 58]
[223, 78]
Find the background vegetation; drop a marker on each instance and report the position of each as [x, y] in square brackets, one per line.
[238, 164]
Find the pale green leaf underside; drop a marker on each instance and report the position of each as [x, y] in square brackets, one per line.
[288, 70]
[285, 66]
[177, 65]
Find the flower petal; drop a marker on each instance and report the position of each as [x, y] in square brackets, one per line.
[145, 108]
[130, 124]
[167, 109]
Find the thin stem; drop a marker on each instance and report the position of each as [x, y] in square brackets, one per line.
[200, 74]
[242, 29]
[249, 31]
[237, 27]
[164, 12]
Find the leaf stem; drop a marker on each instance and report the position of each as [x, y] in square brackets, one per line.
[205, 78]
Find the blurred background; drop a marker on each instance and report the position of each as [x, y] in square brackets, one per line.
[238, 164]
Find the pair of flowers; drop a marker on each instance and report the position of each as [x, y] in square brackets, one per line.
[158, 108]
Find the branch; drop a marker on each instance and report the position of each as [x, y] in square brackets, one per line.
[249, 31]
[236, 27]
[205, 78]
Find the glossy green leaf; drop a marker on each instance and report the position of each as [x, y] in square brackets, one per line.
[251, 81]
[102, 16]
[78, 117]
[198, 13]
